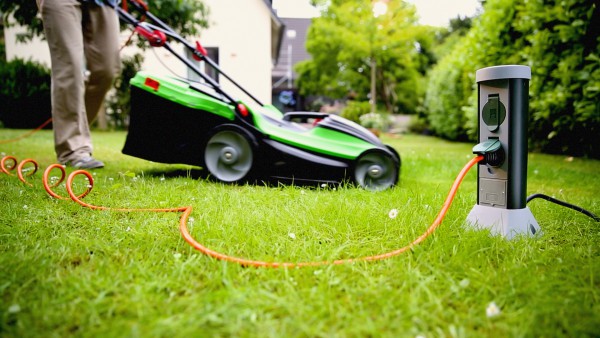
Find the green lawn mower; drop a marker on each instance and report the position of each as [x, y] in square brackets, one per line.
[176, 120]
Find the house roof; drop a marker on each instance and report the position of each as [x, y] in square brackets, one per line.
[277, 30]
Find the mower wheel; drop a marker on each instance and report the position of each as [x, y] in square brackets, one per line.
[376, 171]
[228, 156]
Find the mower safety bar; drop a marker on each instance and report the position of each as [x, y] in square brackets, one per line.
[157, 37]
[153, 34]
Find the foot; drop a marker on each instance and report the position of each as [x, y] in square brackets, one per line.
[86, 163]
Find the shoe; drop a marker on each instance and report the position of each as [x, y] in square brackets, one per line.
[86, 163]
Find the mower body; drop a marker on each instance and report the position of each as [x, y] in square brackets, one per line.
[177, 121]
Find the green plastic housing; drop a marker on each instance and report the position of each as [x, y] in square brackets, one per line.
[267, 119]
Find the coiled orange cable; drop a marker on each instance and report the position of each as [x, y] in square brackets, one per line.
[7, 164]
[22, 172]
[186, 212]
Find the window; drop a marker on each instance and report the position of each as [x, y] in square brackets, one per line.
[213, 54]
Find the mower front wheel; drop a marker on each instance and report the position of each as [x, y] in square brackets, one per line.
[228, 156]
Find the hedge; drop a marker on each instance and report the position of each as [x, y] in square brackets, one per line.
[559, 41]
[25, 94]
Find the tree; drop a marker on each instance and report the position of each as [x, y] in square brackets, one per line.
[348, 39]
[185, 16]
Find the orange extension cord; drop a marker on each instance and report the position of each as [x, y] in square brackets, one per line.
[31, 132]
[6, 168]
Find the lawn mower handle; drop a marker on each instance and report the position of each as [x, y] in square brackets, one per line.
[198, 51]
[157, 37]
[304, 115]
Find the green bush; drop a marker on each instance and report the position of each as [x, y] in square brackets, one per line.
[563, 51]
[418, 125]
[2, 47]
[444, 98]
[118, 104]
[557, 39]
[25, 94]
[378, 121]
[450, 105]
[355, 109]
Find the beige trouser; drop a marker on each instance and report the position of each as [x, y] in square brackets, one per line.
[80, 36]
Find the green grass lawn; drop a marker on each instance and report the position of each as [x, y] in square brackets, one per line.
[70, 271]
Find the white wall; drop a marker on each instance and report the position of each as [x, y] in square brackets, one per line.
[36, 50]
[242, 31]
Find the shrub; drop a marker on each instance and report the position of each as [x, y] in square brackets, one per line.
[25, 94]
[418, 125]
[118, 100]
[355, 109]
[560, 44]
[377, 121]
[563, 51]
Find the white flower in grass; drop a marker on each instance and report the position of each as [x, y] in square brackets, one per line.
[292, 235]
[14, 308]
[177, 255]
[324, 185]
[135, 178]
[128, 229]
[492, 310]
[393, 213]
[302, 192]
[162, 179]
[111, 179]
[25, 206]
[191, 220]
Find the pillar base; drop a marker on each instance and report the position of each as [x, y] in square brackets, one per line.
[506, 222]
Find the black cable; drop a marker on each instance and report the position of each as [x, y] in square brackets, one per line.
[564, 204]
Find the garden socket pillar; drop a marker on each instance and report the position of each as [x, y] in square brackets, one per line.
[502, 176]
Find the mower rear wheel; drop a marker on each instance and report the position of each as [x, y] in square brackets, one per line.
[228, 156]
[376, 171]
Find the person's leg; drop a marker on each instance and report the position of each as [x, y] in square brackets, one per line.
[101, 37]
[62, 26]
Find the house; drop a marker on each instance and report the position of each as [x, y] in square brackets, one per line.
[244, 38]
[293, 50]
